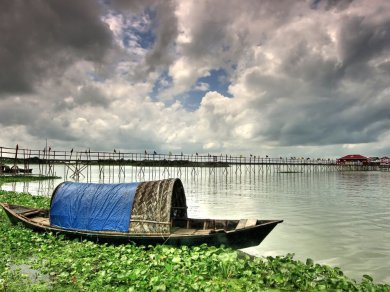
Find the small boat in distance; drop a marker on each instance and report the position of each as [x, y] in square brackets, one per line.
[146, 213]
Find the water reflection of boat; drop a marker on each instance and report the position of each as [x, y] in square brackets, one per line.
[145, 213]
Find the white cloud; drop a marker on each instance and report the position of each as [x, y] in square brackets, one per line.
[302, 81]
[202, 86]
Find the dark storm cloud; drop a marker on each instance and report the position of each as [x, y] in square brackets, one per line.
[323, 99]
[385, 67]
[135, 6]
[53, 131]
[92, 96]
[330, 4]
[86, 95]
[166, 32]
[362, 38]
[327, 121]
[35, 116]
[40, 39]
[15, 112]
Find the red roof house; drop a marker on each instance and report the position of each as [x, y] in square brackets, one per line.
[385, 160]
[352, 158]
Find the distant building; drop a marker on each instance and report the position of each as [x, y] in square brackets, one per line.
[374, 161]
[385, 161]
[353, 159]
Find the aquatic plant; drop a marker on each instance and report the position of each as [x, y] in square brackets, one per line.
[24, 178]
[45, 262]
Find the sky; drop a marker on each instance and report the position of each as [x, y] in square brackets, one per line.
[261, 77]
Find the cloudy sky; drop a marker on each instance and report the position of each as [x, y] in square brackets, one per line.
[261, 77]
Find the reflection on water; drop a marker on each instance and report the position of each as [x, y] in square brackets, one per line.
[336, 218]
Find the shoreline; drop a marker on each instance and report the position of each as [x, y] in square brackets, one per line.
[85, 265]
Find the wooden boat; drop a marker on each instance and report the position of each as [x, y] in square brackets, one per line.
[147, 230]
[14, 169]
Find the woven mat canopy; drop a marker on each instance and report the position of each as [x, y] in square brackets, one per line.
[156, 203]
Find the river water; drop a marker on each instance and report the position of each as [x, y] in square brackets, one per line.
[336, 218]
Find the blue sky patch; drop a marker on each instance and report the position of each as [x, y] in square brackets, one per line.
[217, 80]
[138, 30]
[161, 83]
[146, 36]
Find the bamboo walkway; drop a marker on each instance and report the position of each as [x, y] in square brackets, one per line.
[77, 163]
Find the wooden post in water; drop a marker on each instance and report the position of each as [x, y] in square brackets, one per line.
[15, 166]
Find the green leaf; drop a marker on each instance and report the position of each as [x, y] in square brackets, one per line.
[176, 260]
[367, 277]
[309, 262]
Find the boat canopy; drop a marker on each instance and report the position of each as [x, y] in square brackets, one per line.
[138, 208]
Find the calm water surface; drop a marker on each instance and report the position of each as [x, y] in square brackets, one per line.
[336, 218]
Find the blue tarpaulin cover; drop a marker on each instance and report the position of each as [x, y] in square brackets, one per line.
[88, 206]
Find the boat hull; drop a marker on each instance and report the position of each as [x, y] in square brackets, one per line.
[237, 238]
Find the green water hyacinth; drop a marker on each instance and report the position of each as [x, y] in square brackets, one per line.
[24, 178]
[45, 262]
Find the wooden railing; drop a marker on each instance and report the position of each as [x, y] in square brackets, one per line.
[66, 156]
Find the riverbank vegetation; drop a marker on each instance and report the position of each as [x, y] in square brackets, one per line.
[148, 162]
[24, 178]
[42, 262]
